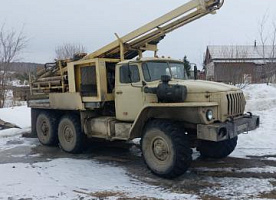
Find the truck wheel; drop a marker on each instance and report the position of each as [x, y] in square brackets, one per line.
[69, 134]
[165, 149]
[46, 128]
[221, 149]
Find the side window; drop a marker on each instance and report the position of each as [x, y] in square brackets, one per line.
[129, 74]
[88, 81]
[146, 72]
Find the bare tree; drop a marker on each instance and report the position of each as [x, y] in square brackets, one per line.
[68, 50]
[268, 50]
[11, 45]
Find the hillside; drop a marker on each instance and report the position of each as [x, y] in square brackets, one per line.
[25, 67]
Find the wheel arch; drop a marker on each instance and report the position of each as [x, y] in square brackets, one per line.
[148, 113]
[188, 113]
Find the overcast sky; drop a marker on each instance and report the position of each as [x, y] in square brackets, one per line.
[49, 23]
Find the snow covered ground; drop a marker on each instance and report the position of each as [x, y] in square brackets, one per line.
[73, 179]
[70, 178]
[21, 116]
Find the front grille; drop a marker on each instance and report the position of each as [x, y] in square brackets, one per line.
[236, 103]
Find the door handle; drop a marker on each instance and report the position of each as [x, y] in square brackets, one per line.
[119, 92]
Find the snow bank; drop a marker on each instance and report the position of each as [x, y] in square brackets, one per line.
[21, 116]
[260, 97]
[261, 100]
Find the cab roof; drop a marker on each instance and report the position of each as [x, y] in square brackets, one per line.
[149, 59]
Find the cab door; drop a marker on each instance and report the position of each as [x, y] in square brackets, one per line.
[128, 92]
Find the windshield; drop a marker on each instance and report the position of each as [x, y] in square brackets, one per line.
[154, 70]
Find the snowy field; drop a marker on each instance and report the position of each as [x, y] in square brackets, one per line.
[71, 178]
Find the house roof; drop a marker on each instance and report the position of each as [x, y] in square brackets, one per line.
[256, 54]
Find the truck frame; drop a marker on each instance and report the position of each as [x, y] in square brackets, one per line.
[116, 94]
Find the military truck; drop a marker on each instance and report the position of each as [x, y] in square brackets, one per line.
[117, 94]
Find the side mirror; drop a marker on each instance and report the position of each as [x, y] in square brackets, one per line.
[195, 72]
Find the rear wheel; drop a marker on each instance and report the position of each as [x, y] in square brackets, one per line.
[221, 149]
[69, 134]
[166, 149]
[46, 128]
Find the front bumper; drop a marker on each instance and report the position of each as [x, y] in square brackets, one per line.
[223, 131]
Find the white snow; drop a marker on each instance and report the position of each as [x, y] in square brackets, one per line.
[238, 188]
[261, 100]
[14, 140]
[21, 116]
[270, 158]
[70, 179]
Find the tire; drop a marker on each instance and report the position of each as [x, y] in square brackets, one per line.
[70, 135]
[165, 149]
[46, 128]
[209, 149]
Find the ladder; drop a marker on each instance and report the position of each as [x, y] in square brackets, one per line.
[148, 36]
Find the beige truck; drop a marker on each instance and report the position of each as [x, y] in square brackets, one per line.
[117, 94]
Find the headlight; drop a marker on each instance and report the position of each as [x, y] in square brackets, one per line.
[209, 115]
